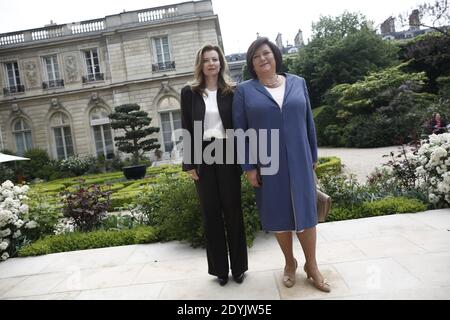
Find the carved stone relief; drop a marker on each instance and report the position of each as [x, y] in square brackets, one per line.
[71, 68]
[32, 73]
[165, 87]
[55, 104]
[15, 108]
[96, 100]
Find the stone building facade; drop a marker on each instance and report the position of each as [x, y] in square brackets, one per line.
[60, 82]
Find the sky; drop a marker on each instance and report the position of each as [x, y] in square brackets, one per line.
[240, 20]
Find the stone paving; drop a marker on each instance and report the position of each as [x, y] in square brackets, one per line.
[360, 162]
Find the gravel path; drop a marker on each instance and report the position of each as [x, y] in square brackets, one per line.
[360, 162]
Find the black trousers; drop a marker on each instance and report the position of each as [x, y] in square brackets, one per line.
[219, 192]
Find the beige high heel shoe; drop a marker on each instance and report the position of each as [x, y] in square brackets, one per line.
[289, 278]
[322, 286]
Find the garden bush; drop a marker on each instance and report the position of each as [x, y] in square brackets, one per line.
[392, 205]
[433, 170]
[386, 206]
[172, 206]
[75, 165]
[89, 240]
[87, 206]
[6, 173]
[45, 213]
[40, 166]
[14, 225]
[328, 165]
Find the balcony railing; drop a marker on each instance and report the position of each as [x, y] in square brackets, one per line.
[12, 38]
[93, 77]
[58, 83]
[14, 89]
[157, 14]
[109, 23]
[47, 33]
[161, 66]
[88, 26]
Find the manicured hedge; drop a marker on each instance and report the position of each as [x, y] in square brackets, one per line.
[328, 165]
[392, 205]
[386, 206]
[90, 240]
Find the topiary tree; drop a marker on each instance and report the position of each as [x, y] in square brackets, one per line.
[136, 124]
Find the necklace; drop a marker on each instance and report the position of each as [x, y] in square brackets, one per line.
[273, 84]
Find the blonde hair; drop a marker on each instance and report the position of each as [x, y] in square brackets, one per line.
[224, 82]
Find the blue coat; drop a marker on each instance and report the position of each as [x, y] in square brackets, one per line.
[286, 200]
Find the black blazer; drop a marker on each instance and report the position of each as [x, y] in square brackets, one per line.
[193, 109]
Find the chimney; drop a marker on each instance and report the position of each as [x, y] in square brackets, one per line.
[298, 40]
[388, 26]
[279, 42]
[414, 20]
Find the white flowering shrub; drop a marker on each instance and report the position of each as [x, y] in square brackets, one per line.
[76, 165]
[64, 225]
[13, 221]
[433, 172]
[127, 219]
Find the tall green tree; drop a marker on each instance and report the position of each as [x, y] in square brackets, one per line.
[136, 125]
[332, 29]
[429, 53]
[386, 108]
[343, 49]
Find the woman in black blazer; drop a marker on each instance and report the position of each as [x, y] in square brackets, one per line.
[206, 108]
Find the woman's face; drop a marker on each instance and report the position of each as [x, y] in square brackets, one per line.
[211, 63]
[264, 61]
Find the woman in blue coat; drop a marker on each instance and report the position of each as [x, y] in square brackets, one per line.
[286, 199]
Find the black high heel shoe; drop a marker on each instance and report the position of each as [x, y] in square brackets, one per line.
[239, 278]
[223, 280]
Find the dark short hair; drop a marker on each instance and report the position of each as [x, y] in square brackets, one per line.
[255, 46]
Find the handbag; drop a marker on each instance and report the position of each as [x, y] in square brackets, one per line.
[323, 202]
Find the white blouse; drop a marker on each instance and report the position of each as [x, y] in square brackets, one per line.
[213, 126]
[278, 93]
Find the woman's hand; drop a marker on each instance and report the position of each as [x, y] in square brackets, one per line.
[193, 174]
[314, 166]
[253, 178]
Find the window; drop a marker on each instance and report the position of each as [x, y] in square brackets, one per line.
[92, 66]
[170, 121]
[22, 136]
[53, 76]
[162, 50]
[14, 84]
[62, 134]
[101, 130]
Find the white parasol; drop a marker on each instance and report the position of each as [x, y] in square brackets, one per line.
[7, 157]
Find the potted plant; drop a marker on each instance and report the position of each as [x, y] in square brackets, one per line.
[136, 125]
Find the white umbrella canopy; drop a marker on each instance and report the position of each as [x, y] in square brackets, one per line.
[7, 157]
